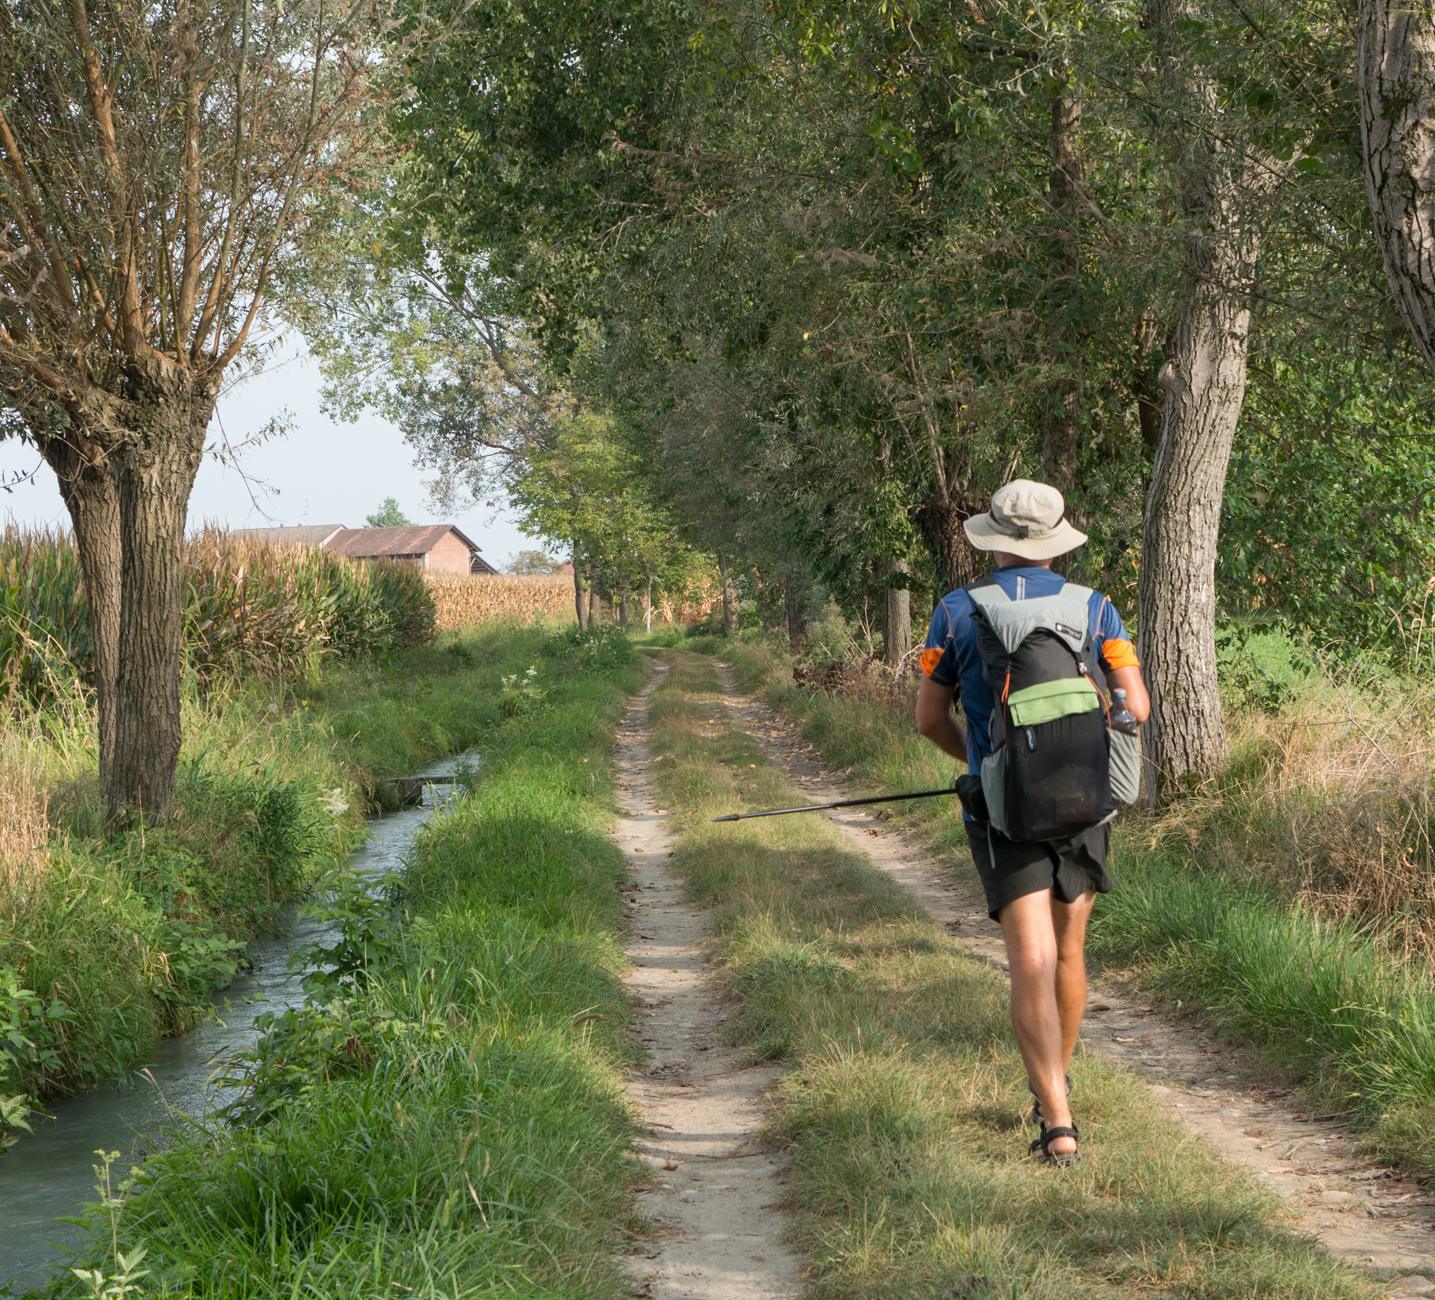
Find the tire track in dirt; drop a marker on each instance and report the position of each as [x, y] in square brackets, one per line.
[1361, 1211]
[712, 1184]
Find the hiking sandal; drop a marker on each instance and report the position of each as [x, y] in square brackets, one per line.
[1043, 1145]
[1036, 1105]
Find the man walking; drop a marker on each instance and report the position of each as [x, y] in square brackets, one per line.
[1041, 892]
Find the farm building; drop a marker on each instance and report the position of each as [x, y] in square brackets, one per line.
[300, 535]
[434, 548]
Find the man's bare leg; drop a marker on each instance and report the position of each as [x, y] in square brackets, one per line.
[1033, 955]
[1069, 922]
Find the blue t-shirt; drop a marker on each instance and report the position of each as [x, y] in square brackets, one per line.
[954, 633]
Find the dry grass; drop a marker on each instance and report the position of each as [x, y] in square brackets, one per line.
[1329, 801]
[461, 600]
[24, 820]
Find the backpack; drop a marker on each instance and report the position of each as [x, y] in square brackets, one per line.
[1054, 755]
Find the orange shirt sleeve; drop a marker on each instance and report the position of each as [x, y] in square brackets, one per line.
[1119, 653]
[931, 657]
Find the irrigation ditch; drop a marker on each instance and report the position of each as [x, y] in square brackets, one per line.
[50, 1175]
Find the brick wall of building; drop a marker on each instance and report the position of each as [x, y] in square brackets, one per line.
[449, 556]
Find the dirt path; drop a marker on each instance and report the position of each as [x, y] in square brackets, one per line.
[712, 1185]
[1361, 1211]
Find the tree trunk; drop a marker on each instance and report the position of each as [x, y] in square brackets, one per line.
[154, 473]
[88, 490]
[1395, 61]
[623, 608]
[729, 595]
[897, 628]
[648, 609]
[579, 604]
[941, 524]
[794, 605]
[1203, 385]
[1061, 425]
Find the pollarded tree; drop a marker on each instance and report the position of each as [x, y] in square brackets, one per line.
[156, 166]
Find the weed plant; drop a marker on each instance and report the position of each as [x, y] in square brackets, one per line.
[903, 1108]
[1290, 903]
[446, 1117]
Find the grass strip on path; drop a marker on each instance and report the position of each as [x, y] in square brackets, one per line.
[1325, 1000]
[904, 1106]
[450, 1122]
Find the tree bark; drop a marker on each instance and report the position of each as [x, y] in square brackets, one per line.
[730, 609]
[1203, 384]
[1061, 424]
[82, 467]
[578, 602]
[897, 629]
[1395, 61]
[623, 608]
[941, 524]
[154, 473]
[794, 605]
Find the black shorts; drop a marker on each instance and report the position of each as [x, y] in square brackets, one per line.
[1069, 867]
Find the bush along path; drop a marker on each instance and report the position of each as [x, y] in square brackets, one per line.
[903, 1105]
[712, 1183]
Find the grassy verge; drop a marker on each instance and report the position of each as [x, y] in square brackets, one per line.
[903, 1109]
[106, 945]
[1204, 913]
[448, 1119]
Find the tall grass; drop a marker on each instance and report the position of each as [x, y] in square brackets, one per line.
[449, 1119]
[1290, 903]
[250, 609]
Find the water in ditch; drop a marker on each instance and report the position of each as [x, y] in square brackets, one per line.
[50, 1173]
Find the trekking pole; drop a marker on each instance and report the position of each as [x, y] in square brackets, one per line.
[841, 803]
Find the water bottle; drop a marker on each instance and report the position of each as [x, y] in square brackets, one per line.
[1122, 719]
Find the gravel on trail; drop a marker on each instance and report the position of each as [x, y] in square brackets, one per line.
[712, 1184]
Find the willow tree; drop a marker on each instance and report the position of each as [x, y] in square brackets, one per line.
[156, 165]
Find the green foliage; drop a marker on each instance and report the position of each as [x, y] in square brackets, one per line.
[388, 515]
[44, 621]
[447, 1115]
[533, 562]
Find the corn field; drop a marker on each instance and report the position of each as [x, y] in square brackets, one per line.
[249, 609]
[460, 600]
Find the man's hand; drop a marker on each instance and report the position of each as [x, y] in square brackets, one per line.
[937, 722]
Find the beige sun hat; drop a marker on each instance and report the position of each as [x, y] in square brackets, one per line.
[1026, 519]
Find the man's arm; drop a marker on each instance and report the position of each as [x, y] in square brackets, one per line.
[937, 722]
[1128, 680]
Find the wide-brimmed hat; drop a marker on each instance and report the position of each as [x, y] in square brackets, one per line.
[1026, 519]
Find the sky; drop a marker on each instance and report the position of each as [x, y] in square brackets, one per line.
[320, 473]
